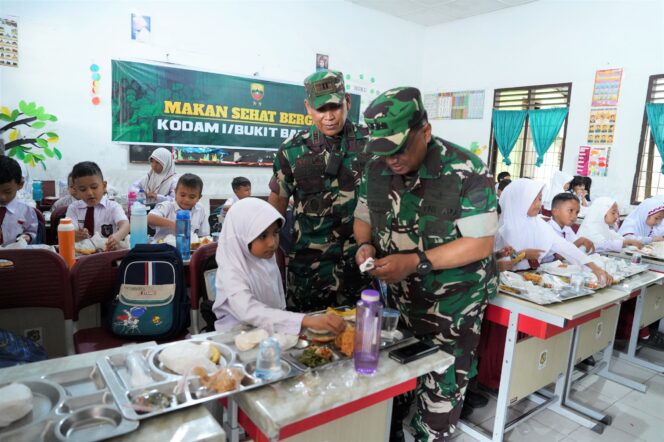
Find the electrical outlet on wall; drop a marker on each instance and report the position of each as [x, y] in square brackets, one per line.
[35, 334]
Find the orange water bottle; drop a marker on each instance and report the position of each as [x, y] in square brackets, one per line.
[66, 238]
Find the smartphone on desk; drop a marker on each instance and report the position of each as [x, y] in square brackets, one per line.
[413, 351]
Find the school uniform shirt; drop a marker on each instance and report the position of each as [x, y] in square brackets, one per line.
[168, 210]
[565, 232]
[596, 230]
[65, 201]
[19, 219]
[228, 203]
[107, 215]
[635, 226]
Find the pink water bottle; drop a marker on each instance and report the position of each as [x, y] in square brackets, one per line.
[131, 198]
[368, 316]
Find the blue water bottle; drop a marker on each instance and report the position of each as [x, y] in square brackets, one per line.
[138, 225]
[37, 191]
[368, 317]
[183, 233]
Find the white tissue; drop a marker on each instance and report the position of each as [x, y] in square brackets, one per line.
[285, 341]
[247, 341]
[15, 402]
[367, 265]
[184, 356]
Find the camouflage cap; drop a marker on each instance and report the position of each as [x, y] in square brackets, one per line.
[325, 87]
[390, 117]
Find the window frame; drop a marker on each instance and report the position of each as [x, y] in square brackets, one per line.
[493, 150]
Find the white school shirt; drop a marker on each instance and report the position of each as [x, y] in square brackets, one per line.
[65, 201]
[168, 210]
[19, 219]
[170, 195]
[107, 216]
[564, 232]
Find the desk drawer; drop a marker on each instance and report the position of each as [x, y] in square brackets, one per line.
[653, 305]
[537, 363]
[596, 334]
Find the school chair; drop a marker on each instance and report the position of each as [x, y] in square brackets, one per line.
[41, 228]
[56, 216]
[37, 278]
[196, 287]
[93, 280]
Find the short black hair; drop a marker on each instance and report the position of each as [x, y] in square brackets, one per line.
[504, 183]
[503, 175]
[562, 198]
[240, 181]
[577, 181]
[86, 168]
[192, 181]
[10, 170]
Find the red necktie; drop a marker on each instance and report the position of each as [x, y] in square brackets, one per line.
[564, 236]
[533, 263]
[3, 212]
[89, 223]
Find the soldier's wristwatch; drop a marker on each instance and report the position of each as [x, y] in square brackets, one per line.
[425, 266]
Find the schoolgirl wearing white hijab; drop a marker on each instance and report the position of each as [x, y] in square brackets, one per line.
[159, 183]
[249, 287]
[640, 224]
[523, 230]
[598, 223]
[557, 185]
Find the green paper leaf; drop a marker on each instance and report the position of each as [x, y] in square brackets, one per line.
[49, 153]
[13, 151]
[53, 118]
[15, 114]
[20, 154]
[38, 156]
[38, 125]
[41, 142]
[52, 135]
[57, 153]
[23, 106]
[43, 164]
[5, 117]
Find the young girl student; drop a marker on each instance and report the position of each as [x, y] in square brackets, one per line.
[249, 287]
[159, 183]
[598, 223]
[641, 223]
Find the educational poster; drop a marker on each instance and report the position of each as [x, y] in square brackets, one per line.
[593, 161]
[607, 87]
[582, 162]
[8, 42]
[364, 85]
[462, 105]
[602, 126]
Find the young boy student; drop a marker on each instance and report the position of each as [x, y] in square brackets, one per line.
[564, 212]
[17, 219]
[241, 189]
[94, 212]
[188, 192]
[66, 200]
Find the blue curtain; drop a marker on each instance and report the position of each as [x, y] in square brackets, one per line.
[507, 125]
[545, 125]
[656, 121]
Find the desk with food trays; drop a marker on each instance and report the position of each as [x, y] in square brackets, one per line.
[558, 337]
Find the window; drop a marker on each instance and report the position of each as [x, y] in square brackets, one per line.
[648, 178]
[524, 155]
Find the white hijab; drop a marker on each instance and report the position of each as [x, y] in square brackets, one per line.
[594, 227]
[635, 223]
[160, 183]
[239, 270]
[516, 228]
[555, 186]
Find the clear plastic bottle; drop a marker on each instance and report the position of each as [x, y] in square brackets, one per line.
[183, 233]
[138, 225]
[66, 239]
[131, 199]
[368, 317]
[141, 197]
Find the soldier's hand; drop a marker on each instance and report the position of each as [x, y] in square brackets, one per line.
[395, 268]
[330, 322]
[364, 252]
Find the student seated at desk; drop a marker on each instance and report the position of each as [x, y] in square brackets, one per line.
[159, 183]
[241, 189]
[17, 219]
[599, 226]
[188, 192]
[66, 200]
[94, 212]
[642, 222]
[249, 287]
[564, 212]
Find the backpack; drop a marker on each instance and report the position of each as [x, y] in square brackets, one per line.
[151, 301]
[15, 350]
[205, 303]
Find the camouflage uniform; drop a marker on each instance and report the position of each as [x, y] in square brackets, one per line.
[449, 197]
[321, 269]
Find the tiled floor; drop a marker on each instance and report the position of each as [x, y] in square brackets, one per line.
[637, 417]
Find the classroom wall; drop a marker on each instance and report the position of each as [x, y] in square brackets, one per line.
[553, 41]
[59, 40]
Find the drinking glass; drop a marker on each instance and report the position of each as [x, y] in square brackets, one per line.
[390, 322]
[268, 364]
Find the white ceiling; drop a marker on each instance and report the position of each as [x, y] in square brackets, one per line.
[434, 12]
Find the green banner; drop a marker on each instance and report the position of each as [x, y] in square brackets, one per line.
[183, 107]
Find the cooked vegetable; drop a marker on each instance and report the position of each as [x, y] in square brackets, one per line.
[315, 356]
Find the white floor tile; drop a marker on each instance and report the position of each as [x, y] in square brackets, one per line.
[610, 434]
[651, 355]
[630, 371]
[556, 421]
[609, 389]
[637, 423]
[592, 398]
[531, 430]
[650, 402]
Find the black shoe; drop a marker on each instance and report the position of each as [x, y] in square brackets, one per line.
[656, 341]
[589, 361]
[466, 411]
[491, 391]
[474, 399]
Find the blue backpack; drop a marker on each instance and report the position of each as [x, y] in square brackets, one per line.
[151, 301]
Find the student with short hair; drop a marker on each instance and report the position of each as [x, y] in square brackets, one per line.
[94, 212]
[241, 189]
[17, 219]
[564, 212]
[503, 176]
[578, 188]
[66, 200]
[188, 192]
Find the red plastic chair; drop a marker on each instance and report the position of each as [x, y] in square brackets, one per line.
[196, 271]
[41, 228]
[37, 278]
[56, 216]
[93, 281]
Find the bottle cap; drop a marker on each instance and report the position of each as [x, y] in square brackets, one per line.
[65, 221]
[370, 295]
[183, 214]
[131, 195]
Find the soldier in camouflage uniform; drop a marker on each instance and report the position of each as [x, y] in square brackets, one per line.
[427, 212]
[321, 168]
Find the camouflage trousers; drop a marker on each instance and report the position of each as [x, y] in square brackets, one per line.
[435, 405]
[328, 284]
